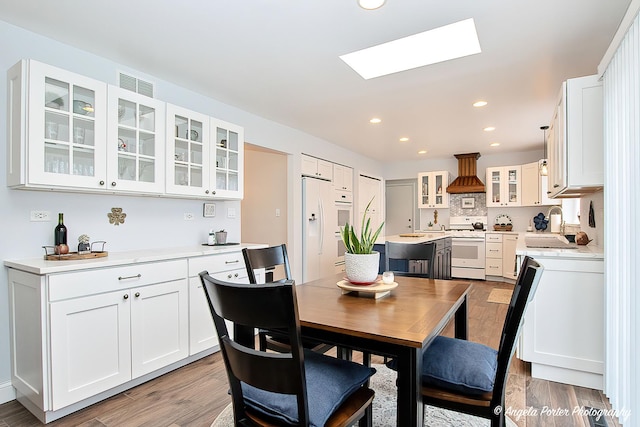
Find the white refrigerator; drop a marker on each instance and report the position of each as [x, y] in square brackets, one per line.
[320, 226]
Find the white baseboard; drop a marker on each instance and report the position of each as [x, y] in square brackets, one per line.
[7, 392]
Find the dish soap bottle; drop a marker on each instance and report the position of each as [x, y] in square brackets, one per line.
[211, 239]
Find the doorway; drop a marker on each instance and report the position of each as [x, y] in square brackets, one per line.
[401, 206]
[264, 206]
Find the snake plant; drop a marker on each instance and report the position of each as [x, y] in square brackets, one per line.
[363, 244]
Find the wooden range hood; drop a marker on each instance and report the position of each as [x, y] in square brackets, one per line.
[467, 180]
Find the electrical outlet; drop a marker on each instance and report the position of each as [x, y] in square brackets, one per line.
[40, 216]
[188, 216]
[231, 212]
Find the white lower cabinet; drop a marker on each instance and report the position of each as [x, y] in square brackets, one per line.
[563, 332]
[81, 335]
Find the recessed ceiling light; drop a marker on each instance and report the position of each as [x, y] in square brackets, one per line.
[375, 120]
[480, 103]
[494, 144]
[370, 4]
[404, 139]
[422, 152]
[429, 47]
[489, 129]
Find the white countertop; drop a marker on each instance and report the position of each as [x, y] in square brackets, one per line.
[587, 251]
[421, 237]
[41, 266]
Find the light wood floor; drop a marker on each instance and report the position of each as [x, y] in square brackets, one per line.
[195, 394]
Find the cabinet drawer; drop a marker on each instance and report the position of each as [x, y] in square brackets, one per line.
[215, 263]
[239, 275]
[493, 267]
[493, 238]
[494, 250]
[83, 283]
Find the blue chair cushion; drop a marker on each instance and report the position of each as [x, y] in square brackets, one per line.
[459, 366]
[329, 382]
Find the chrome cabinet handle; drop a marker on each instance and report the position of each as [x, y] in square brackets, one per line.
[137, 294]
[101, 182]
[232, 262]
[113, 183]
[137, 276]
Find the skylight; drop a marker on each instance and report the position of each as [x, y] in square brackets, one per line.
[430, 47]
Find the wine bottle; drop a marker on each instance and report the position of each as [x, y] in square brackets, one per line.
[60, 236]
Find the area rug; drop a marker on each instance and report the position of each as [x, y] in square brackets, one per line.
[384, 407]
[500, 296]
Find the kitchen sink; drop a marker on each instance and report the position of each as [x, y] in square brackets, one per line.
[548, 242]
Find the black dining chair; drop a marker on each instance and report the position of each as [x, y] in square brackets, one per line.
[274, 259]
[300, 387]
[404, 252]
[469, 377]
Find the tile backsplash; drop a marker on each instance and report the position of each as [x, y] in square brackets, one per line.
[479, 206]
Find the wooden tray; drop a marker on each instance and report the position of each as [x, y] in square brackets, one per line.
[71, 256]
[497, 227]
[379, 289]
[412, 235]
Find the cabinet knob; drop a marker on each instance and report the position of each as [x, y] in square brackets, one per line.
[206, 192]
[126, 296]
[137, 294]
[101, 182]
[213, 192]
[113, 183]
[229, 276]
[235, 275]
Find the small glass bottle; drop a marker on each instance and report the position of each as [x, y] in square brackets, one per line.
[60, 236]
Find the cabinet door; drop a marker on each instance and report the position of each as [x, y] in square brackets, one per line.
[90, 346]
[494, 187]
[188, 152]
[530, 184]
[370, 189]
[136, 142]
[440, 197]
[325, 169]
[512, 189]
[159, 326]
[342, 177]
[227, 182]
[556, 147]
[202, 332]
[424, 190]
[509, 244]
[66, 128]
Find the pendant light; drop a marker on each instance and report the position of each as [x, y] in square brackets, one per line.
[371, 4]
[544, 168]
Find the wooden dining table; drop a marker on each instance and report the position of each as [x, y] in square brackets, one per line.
[400, 325]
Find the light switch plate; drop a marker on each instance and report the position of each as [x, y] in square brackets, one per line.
[231, 212]
[209, 210]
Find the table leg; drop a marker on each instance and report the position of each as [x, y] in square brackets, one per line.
[461, 321]
[410, 408]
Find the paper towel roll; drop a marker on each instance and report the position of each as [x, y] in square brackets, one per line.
[555, 221]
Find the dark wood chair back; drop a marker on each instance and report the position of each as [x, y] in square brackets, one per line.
[267, 258]
[491, 405]
[271, 305]
[411, 252]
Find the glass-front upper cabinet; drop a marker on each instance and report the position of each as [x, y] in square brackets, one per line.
[65, 133]
[229, 158]
[135, 142]
[432, 191]
[504, 186]
[188, 152]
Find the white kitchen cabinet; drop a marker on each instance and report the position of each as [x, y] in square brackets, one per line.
[228, 267]
[432, 189]
[534, 186]
[228, 180]
[56, 128]
[493, 254]
[509, 267]
[371, 190]
[135, 142]
[317, 168]
[77, 334]
[504, 186]
[342, 177]
[563, 333]
[189, 149]
[575, 139]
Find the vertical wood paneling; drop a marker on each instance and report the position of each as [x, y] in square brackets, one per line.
[622, 232]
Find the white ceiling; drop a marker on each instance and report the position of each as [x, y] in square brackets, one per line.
[279, 59]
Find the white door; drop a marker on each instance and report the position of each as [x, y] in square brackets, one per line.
[90, 346]
[400, 207]
[159, 326]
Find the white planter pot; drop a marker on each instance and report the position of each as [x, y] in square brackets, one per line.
[362, 268]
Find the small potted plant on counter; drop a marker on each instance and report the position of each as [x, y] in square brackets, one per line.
[360, 260]
[221, 237]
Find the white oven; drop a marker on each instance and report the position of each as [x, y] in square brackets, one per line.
[468, 247]
[344, 214]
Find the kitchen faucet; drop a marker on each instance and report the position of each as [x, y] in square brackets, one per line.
[548, 218]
